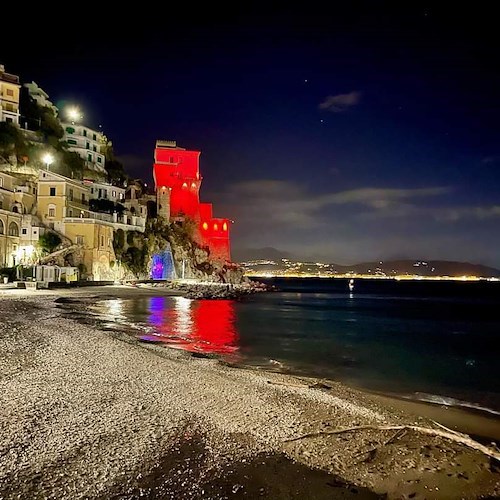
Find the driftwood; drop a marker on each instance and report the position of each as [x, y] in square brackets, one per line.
[447, 434]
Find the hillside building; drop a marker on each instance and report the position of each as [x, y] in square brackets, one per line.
[9, 97]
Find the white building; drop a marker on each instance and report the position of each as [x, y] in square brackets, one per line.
[102, 191]
[9, 97]
[87, 143]
[40, 96]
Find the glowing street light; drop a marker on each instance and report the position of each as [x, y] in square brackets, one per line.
[74, 114]
[48, 159]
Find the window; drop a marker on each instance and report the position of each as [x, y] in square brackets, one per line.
[70, 197]
[110, 244]
[10, 92]
[15, 209]
[84, 133]
[95, 149]
[102, 241]
[8, 119]
[89, 157]
[79, 239]
[52, 212]
[1, 226]
[34, 190]
[94, 137]
[72, 141]
[88, 145]
[70, 130]
[1, 182]
[99, 159]
[24, 231]
[205, 226]
[1, 204]
[91, 190]
[83, 198]
[224, 226]
[52, 191]
[113, 194]
[13, 229]
[71, 213]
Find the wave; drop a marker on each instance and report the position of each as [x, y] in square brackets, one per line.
[449, 401]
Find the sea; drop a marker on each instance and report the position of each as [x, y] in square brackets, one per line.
[433, 341]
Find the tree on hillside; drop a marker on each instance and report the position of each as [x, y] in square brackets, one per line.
[41, 119]
[49, 241]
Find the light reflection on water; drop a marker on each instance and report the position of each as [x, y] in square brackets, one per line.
[200, 326]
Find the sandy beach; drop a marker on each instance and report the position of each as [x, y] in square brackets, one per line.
[88, 413]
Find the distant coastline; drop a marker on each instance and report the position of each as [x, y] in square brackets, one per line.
[372, 277]
[392, 269]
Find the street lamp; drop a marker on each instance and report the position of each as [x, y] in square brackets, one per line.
[48, 159]
[74, 114]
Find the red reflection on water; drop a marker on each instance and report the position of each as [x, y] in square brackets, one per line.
[194, 325]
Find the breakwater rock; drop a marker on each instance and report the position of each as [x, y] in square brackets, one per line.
[221, 290]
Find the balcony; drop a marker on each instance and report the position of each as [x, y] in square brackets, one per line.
[127, 223]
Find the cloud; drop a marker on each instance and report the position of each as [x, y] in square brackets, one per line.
[282, 204]
[381, 198]
[340, 102]
[490, 159]
[460, 213]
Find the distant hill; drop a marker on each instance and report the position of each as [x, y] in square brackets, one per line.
[267, 253]
[380, 268]
[422, 268]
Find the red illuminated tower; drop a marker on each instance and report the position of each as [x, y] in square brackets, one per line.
[177, 181]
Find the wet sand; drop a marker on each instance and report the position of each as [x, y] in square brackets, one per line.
[93, 414]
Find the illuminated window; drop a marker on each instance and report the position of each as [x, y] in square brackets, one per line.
[193, 185]
[224, 226]
[185, 185]
[216, 227]
[205, 226]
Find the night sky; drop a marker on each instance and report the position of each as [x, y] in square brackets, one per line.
[350, 133]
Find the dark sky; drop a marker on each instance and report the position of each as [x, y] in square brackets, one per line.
[357, 131]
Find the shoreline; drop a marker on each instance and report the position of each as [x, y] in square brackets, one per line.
[487, 419]
[62, 373]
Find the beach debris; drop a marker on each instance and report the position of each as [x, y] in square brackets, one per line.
[452, 436]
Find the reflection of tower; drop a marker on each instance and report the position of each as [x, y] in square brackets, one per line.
[163, 202]
[200, 326]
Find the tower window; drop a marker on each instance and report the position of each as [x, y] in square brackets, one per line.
[205, 226]
[224, 227]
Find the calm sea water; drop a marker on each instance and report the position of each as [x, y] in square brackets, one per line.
[437, 341]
